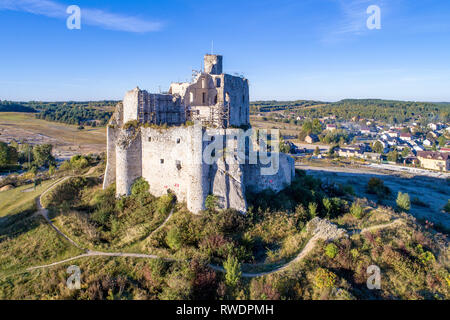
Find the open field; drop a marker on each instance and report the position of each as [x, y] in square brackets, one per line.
[21, 199]
[286, 129]
[67, 139]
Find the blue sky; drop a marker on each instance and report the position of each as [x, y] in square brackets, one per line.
[302, 49]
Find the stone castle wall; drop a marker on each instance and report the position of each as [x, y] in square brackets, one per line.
[172, 159]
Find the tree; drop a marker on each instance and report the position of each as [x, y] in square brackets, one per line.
[393, 156]
[8, 154]
[403, 201]
[284, 147]
[405, 152]
[4, 160]
[378, 147]
[233, 271]
[442, 141]
[42, 155]
[51, 170]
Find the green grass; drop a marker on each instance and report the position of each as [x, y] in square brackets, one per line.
[28, 241]
[16, 200]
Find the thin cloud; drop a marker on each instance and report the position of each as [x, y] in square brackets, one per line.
[352, 19]
[94, 17]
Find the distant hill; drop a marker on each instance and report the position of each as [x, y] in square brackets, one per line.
[391, 111]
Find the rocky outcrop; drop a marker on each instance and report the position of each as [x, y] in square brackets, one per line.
[325, 230]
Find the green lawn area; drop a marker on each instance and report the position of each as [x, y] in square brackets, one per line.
[19, 200]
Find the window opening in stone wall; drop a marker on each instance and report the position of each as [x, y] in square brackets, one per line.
[162, 161]
[178, 164]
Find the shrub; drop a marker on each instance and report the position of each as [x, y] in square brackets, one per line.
[403, 201]
[211, 202]
[140, 186]
[334, 206]
[173, 239]
[324, 278]
[165, 202]
[376, 186]
[331, 250]
[356, 210]
[131, 124]
[79, 162]
[312, 207]
[233, 271]
[426, 257]
[262, 289]
[216, 246]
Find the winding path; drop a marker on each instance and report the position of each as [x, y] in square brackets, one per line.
[88, 253]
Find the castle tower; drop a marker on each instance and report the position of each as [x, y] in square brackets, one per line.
[213, 64]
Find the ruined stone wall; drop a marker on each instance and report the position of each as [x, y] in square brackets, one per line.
[213, 63]
[172, 161]
[128, 159]
[130, 105]
[110, 171]
[237, 93]
[165, 153]
[257, 182]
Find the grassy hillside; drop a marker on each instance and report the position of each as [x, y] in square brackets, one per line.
[414, 259]
[21, 199]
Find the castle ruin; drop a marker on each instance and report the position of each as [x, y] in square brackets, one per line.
[164, 139]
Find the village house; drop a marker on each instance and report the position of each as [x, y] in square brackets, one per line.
[434, 160]
[372, 156]
[405, 136]
[311, 138]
